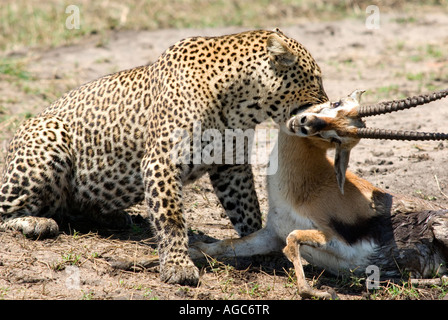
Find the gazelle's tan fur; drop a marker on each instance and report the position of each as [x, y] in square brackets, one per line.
[348, 230]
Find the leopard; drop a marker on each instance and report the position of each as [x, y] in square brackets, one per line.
[105, 146]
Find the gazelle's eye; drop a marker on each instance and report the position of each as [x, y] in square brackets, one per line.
[336, 104]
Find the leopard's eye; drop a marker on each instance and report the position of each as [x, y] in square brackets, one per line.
[302, 108]
[305, 106]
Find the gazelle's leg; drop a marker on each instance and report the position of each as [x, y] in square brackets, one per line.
[312, 238]
[263, 241]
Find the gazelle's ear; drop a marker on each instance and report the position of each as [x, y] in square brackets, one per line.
[341, 159]
[278, 31]
[356, 95]
[279, 52]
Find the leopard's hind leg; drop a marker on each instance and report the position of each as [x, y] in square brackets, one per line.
[36, 178]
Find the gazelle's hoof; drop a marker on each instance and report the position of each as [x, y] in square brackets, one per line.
[310, 293]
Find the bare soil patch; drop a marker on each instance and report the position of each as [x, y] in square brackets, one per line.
[404, 56]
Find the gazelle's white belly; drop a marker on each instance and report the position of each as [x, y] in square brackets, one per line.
[339, 256]
[335, 256]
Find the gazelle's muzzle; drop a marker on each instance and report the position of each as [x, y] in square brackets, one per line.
[307, 124]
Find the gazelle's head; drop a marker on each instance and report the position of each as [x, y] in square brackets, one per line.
[340, 125]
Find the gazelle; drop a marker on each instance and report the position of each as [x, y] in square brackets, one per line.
[341, 221]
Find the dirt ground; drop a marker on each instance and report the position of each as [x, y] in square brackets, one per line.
[404, 56]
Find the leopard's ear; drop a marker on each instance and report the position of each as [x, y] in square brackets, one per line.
[279, 52]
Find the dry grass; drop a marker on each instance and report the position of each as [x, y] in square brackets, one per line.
[25, 23]
[43, 270]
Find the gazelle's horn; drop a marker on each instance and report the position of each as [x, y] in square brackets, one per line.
[397, 105]
[370, 133]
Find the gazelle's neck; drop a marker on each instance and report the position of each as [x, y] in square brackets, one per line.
[306, 180]
[303, 168]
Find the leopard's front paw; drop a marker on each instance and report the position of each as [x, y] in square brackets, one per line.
[33, 227]
[184, 273]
